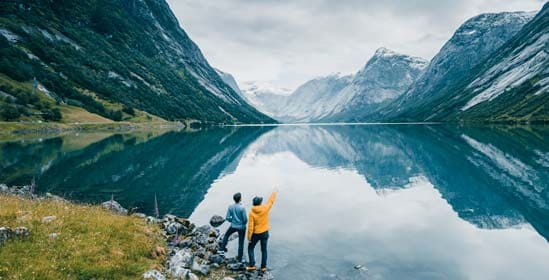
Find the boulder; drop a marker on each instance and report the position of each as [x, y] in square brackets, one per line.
[205, 229]
[3, 188]
[200, 267]
[173, 227]
[181, 259]
[153, 275]
[115, 207]
[21, 232]
[216, 221]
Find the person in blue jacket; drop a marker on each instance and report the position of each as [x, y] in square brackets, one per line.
[236, 215]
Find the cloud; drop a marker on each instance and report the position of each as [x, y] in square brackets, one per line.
[289, 42]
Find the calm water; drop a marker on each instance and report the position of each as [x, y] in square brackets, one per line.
[405, 201]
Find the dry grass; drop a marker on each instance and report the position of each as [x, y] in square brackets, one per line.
[92, 243]
[72, 114]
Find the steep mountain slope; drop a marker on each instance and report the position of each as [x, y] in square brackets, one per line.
[513, 84]
[385, 77]
[130, 52]
[472, 43]
[228, 79]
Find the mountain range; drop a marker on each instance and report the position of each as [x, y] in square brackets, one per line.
[111, 58]
[130, 60]
[493, 69]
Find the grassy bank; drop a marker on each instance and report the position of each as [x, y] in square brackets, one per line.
[16, 130]
[92, 243]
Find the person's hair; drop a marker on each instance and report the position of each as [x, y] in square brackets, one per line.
[257, 200]
[237, 197]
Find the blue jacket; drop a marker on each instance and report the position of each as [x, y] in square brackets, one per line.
[236, 214]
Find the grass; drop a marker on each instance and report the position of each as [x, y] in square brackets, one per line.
[92, 243]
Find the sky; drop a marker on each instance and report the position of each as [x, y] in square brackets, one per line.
[288, 42]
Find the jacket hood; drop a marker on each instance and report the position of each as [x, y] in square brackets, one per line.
[259, 209]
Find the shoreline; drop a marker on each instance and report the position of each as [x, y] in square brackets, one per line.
[189, 251]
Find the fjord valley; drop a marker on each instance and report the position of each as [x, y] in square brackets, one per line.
[116, 60]
[134, 133]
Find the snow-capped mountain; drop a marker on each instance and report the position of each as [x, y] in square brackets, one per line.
[472, 43]
[264, 96]
[342, 98]
[385, 77]
[314, 99]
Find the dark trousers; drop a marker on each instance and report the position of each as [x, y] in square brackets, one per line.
[258, 237]
[241, 234]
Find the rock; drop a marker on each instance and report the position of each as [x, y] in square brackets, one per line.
[115, 207]
[182, 259]
[212, 248]
[53, 235]
[21, 232]
[5, 234]
[54, 197]
[139, 215]
[3, 188]
[192, 276]
[217, 259]
[228, 278]
[185, 243]
[169, 218]
[202, 253]
[201, 239]
[151, 220]
[173, 227]
[153, 275]
[216, 221]
[48, 219]
[214, 233]
[236, 266]
[361, 268]
[201, 268]
[205, 230]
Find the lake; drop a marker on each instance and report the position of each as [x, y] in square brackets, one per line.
[404, 201]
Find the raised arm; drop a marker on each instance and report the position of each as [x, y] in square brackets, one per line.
[271, 200]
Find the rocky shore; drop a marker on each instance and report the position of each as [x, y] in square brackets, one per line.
[190, 252]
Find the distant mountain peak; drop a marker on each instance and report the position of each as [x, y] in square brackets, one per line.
[383, 51]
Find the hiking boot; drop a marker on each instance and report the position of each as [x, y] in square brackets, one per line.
[263, 269]
[251, 268]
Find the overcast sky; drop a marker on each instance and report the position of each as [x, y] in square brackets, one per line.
[287, 42]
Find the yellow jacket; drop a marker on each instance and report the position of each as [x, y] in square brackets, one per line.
[258, 222]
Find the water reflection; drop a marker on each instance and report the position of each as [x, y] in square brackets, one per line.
[408, 201]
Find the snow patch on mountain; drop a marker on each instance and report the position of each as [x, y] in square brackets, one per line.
[511, 72]
[506, 162]
[10, 36]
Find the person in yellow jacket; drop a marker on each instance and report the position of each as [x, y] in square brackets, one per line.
[258, 230]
